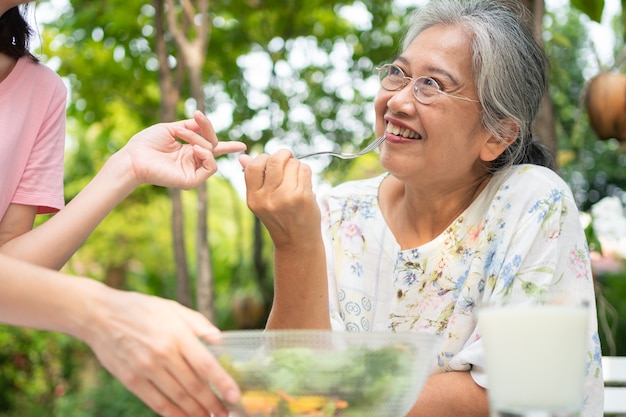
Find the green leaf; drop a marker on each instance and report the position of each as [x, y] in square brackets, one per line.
[592, 8]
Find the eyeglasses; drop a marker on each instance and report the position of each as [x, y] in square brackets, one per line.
[425, 89]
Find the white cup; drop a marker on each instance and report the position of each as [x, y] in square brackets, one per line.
[534, 358]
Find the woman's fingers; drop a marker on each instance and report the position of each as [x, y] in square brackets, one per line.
[166, 397]
[154, 348]
[206, 127]
[154, 399]
[199, 131]
[189, 373]
[254, 172]
[244, 160]
[203, 363]
[229, 147]
[172, 389]
[206, 161]
[276, 169]
[266, 171]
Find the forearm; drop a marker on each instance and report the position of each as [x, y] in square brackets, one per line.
[55, 241]
[141, 340]
[451, 394]
[300, 287]
[43, 299]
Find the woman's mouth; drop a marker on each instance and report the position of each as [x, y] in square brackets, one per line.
[402, 132]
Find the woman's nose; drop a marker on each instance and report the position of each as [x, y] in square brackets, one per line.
[402, 100]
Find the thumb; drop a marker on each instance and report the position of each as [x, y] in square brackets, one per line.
[244, 160]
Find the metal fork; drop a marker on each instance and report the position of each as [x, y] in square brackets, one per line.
[345, 155]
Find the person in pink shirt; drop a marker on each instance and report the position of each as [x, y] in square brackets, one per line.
[32, 116]
[153, 346]
[31, 152]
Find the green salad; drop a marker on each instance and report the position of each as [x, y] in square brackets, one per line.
[302, 382]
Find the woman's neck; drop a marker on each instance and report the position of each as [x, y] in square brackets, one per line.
[418, 219]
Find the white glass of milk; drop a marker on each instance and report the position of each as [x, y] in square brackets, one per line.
[534, 358]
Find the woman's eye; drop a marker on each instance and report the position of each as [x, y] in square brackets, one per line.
[429, 82]
[395, 72]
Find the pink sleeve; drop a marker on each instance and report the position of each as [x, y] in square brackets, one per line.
[39, 134]
[42, 181]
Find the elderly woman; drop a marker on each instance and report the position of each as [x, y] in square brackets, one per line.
[468, 211]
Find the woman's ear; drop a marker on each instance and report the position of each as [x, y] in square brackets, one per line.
[494, 147]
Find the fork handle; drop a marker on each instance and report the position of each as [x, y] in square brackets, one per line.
[373, 145]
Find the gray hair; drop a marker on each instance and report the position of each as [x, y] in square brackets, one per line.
[510, 69]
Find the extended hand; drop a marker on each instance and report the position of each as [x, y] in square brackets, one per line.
[153, 347]
[158, 158]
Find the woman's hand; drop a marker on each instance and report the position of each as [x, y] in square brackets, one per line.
[158, 158]
[153, 346]
[279, 191]
[152, 156]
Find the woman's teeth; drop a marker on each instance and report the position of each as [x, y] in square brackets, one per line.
[401, 131]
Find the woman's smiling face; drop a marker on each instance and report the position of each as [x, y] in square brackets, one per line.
[443, 139]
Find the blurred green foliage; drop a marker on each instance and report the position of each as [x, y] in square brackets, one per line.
[114, 93]
[593, 168]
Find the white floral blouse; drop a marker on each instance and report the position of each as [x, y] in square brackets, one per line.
[520, 238]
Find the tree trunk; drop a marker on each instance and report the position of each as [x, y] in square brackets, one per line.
[189, 25]
[183, 285]
[204, 280]
[543, 127]
[115, 276]
[170, 93]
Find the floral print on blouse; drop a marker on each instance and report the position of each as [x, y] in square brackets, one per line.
[519, 241]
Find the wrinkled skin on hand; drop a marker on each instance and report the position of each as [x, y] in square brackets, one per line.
[280, 192]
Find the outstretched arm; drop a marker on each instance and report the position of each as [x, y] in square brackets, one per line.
[152, 156]
[280, 193]
[151, 345]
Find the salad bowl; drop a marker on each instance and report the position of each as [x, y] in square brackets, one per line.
[315, 373]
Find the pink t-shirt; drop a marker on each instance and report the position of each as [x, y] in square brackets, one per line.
[32, 122]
